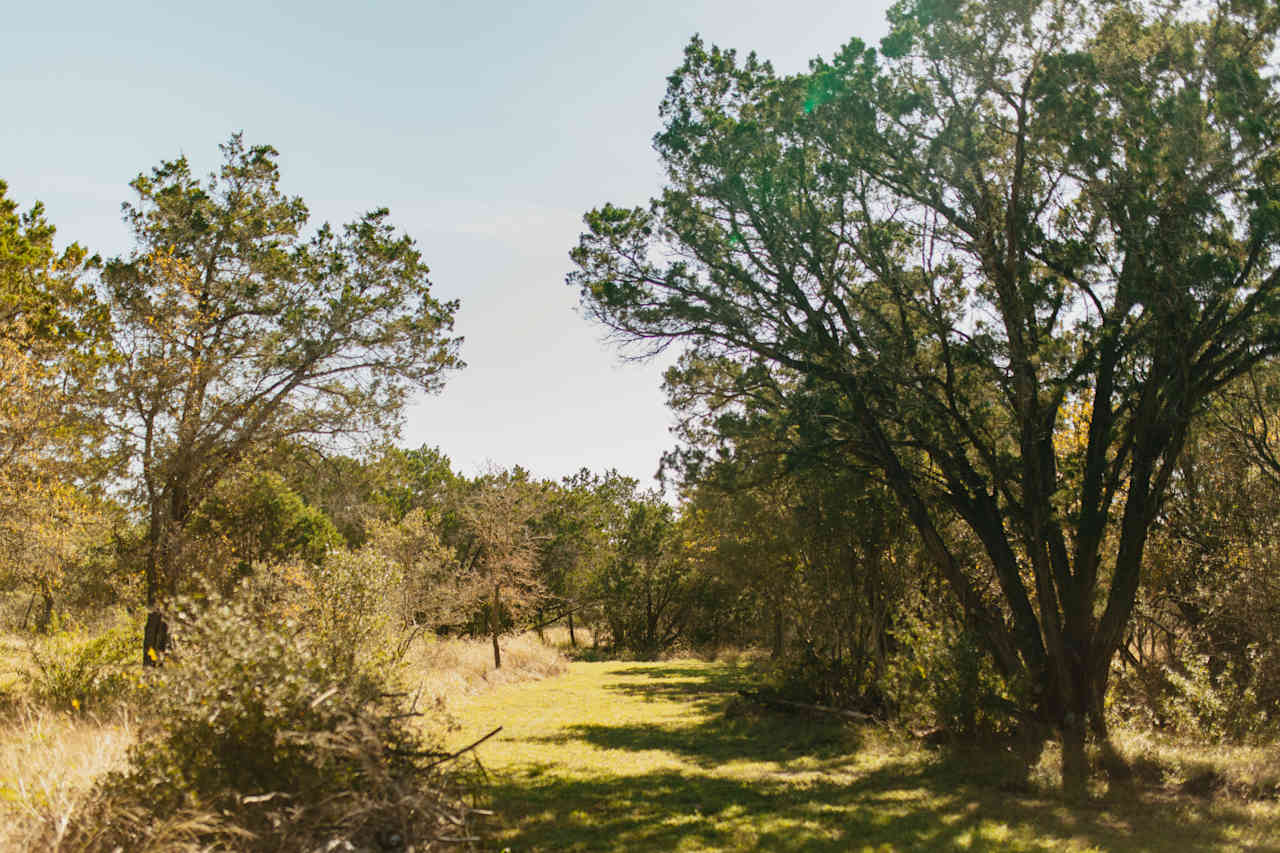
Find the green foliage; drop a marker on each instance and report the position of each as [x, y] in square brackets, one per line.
[260, 739]
[645, 586]
[78, 669]
[1219, 708]
[43, 300]
[428, 592]
[237, 332]
[258, 518]
[942, 676]
[350, 607]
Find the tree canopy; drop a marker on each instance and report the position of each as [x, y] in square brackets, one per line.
[1015, 223]
[235, 330]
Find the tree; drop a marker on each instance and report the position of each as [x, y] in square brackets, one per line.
[645, 585]
[429, 593]
[51, 342]
[251, 517]
[502, 551]
[235, 332]
[1012, 208]
[581, 514]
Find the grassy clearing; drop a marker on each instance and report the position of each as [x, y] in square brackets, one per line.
[664, 756]
[448, 670]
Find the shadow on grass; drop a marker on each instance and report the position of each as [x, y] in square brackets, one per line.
[675, 681]
[898, 807]
[912, 801]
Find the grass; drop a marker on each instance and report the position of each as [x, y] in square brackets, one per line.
[48, 762]
[50, 759]
[447, 670]
[664, 756]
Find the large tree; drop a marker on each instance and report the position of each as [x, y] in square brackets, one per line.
[1014, 209]
[236, 331]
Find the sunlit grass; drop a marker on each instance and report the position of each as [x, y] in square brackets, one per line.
[665, 756]
[448, 669]
[48, 762]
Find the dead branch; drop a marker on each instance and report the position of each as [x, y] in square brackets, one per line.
[787, 705]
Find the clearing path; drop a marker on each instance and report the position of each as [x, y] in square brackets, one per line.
[664, 756]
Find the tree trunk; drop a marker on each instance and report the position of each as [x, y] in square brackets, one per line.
[495, 606]
[155, 639]
[1075, 762]
[573, 641]
[44, 618]
[776, 651]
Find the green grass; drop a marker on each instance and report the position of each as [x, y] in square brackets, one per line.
[663, 756]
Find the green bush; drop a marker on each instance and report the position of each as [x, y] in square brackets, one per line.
[259, 739]
[1190, 698]
[943, 676]
[350, 606]
[80, 670]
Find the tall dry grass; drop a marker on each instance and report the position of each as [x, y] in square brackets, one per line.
[448, 669]
[49, 759]
[48, 763]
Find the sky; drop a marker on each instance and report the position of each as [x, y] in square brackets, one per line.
[487, 128]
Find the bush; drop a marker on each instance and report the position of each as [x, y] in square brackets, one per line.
[81, 671]
[350, 606]
[1189, 698]
[943, 676]
[259, 739]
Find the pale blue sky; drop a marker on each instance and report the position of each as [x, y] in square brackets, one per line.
[487, 128]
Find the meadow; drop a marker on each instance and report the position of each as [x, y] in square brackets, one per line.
[668, 755]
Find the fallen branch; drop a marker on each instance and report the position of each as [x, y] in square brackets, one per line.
[787, 705]
[466, 748]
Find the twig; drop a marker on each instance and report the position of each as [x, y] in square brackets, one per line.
[466, 748]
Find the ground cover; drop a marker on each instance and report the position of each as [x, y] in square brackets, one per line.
[665, 756]
[51, 754]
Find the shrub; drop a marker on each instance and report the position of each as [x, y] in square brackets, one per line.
[350, 608]
[260, 739]
[943, 675]
[1189, 698]
[82, 671]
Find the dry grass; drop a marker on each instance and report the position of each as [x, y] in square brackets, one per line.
[48, 762]
[1202, 768]
[448, 669]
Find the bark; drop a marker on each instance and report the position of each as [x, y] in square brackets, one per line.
[155, 639]
[573, 641]
[776, 651]
[495, 607]
[1075, 762]
[44, 618]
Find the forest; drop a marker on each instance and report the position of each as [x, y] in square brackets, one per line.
[978, 454]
